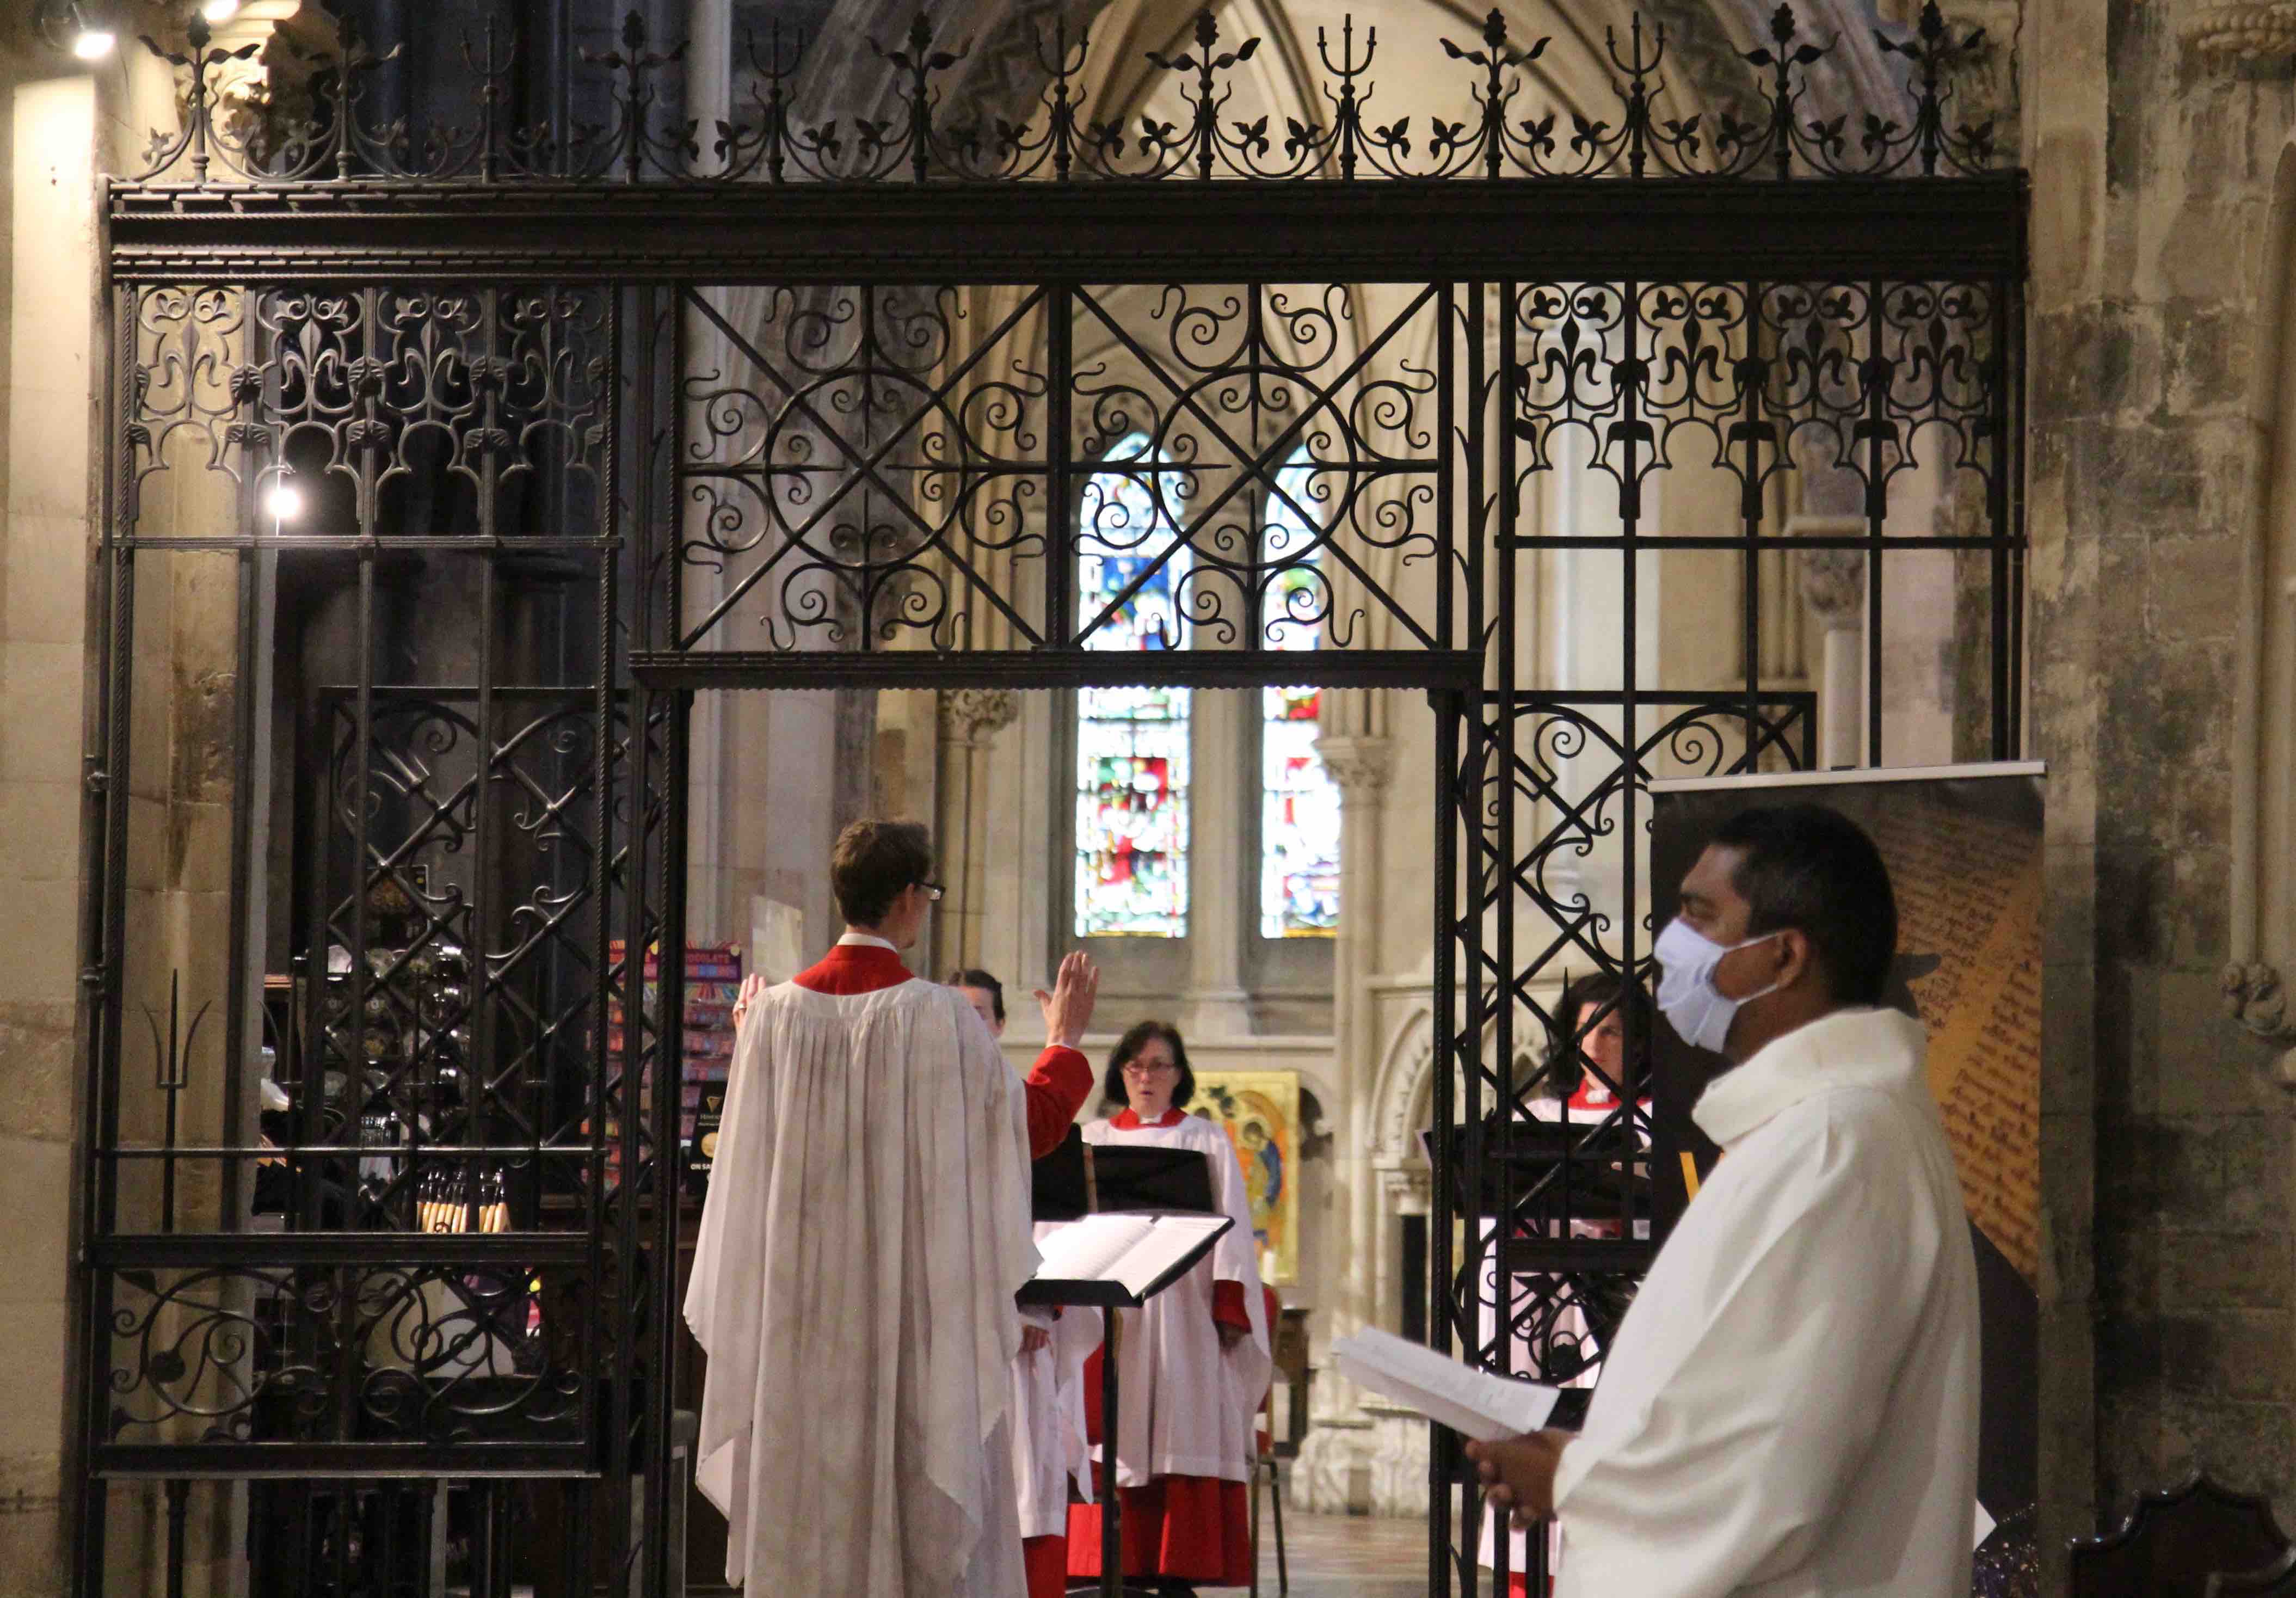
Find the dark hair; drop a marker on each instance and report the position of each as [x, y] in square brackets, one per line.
[1813, 869]
[971, 976]
[873, 861]
[1127, 1049]
[1564, 1067]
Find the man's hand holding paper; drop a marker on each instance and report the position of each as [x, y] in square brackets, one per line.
[1518, 1473]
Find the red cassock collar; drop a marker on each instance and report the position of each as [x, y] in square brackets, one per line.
[1127, 1121]
[852, 968]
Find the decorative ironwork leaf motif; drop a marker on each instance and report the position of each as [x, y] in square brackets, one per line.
[340, 139]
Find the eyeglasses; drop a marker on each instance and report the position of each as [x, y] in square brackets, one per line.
[1139, 1072]
[933, 891]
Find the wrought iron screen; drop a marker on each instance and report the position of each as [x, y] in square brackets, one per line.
[491, 446]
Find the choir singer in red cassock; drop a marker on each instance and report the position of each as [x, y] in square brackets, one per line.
[1050, 1456]
[866, 1227]
[1193, 1362]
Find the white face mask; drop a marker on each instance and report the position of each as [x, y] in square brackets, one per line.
[1688, 997]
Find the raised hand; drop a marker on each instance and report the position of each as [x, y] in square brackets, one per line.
[752, 986]
[1068, 1008]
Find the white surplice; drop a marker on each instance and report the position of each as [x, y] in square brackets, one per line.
[1789, 1406]
[1187, 1406]
[866, 1227]
[1050, 1450]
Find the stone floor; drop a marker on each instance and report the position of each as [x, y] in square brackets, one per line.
[1340, 1556]
[1348, 1556]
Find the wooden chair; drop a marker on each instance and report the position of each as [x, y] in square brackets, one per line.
[2274, 1580]
[2174, 1543]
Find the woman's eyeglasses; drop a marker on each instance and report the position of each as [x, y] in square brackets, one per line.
[1142, 1073]
[933, 891]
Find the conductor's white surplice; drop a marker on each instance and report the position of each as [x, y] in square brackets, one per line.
[866, 1227]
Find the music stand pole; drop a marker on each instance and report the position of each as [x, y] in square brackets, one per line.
[1111, 1532]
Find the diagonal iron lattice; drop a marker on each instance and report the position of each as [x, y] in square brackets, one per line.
[874, 473]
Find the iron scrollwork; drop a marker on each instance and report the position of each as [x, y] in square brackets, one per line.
[1776, 135]
[407, 1081]
[397, 1353]
[861, 464]
[355, 397]
[1758, 380]
[869, 471]
[1550, 1265]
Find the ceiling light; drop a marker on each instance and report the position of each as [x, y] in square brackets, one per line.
[67, 25]
[220, 10]
[284, 503]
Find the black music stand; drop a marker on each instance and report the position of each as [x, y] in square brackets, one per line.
[1535, 1149]
[1078, 1179]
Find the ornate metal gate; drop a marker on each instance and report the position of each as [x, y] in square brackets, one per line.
[488, 446]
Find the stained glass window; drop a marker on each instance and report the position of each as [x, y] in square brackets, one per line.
[1299, 804]
[1132, 744]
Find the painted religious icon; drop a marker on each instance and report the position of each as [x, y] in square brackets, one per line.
[1259, 1111]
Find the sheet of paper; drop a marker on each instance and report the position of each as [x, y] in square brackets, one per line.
[1086, 1250]
[1168, 1243]
[1473, 1403]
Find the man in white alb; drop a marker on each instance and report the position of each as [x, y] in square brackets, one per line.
[866, 1227]
[1789, 1406]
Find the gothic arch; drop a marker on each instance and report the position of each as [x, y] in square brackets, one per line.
[1403, 1093]
[1401, 1088]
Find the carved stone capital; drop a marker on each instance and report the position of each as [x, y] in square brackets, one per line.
[2246, 34]
[1359, 765]
[974, 715]
[2255, 996]
[1409, 1189]
[1833, 588]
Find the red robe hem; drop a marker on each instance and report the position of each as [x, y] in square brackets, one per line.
[1045, 1559]
[1193, 1528]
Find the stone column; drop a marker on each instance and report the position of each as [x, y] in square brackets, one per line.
[970, 720]
[1359, 765]
[2083, 306]
[1833, 588]
[46, 395]
[1216, 1005]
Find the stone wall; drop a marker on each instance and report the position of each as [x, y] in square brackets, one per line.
[46, 288]
[2166, 1151]
[61, 126]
